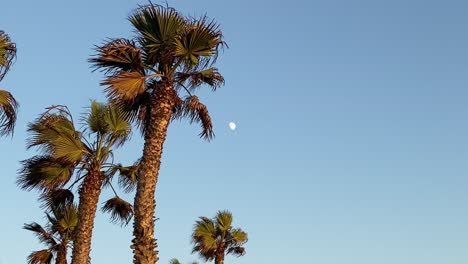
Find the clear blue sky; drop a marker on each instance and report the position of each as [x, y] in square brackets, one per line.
[352, 139]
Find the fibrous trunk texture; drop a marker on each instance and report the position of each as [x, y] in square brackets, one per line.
[161, 108]
[89, 198]
[61, 255]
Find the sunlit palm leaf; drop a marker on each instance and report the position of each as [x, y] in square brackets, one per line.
[118, 126]
[198, 43]
[125, 85]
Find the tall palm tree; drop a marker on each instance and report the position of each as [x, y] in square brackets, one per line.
[65, 152]
[8, 104]
[57, 235]
[215, 238]
[147, 76]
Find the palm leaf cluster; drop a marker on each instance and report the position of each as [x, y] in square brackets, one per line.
[214, 238]
[57, 235]
[168, 50]
[67, 156]
[8, 104]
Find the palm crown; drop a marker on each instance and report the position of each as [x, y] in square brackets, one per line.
[8, 104]
[88, 155]
[65, 152]
[213, 238]
[57, 235]
[168, 48]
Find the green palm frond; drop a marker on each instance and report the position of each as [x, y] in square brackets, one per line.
[198, 44]
[196, 111]
[44, 173]
[157, 29]
[238, 236]
[224, 221]
[120, 210]
[118, 125]
[94, 118]
[67, 220]
[8, 112]
[54, 133]
[44, 256]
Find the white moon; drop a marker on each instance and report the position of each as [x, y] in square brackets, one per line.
[232, 125]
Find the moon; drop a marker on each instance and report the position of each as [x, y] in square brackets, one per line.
[232, 126]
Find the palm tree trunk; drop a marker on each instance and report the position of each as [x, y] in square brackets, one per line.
[219, 259]
[144, 244]
[61, 254]
[89, 198]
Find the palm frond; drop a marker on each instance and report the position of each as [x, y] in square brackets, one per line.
[198, 44]
[224, 221]
[196, 111]
[56, 198]
[118, 125]
[118, 55]
[236, 251]
[55, 135]
[7, 53]
[128, 177]
[120, 210]
[157, 28]
[43, 235]
[193, 80]
[126, 86]
[43, 173]
[44, 256]
[8, 112]
[94, 118]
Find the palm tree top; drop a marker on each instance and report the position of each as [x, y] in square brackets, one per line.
[66, 152]
[167, 48]
[212, 237]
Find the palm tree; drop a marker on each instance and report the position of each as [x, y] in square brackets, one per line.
[8, 104]
[57, 235]
[215, 238]
[147, 76]
[176, 261]
[64, 152]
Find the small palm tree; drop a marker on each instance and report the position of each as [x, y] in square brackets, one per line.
[88, 155]
[176, 261]
[8, 104]
[57, 235]
[147, 76]
[213, 239]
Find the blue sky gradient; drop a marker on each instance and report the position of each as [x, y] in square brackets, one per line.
[352, 133]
